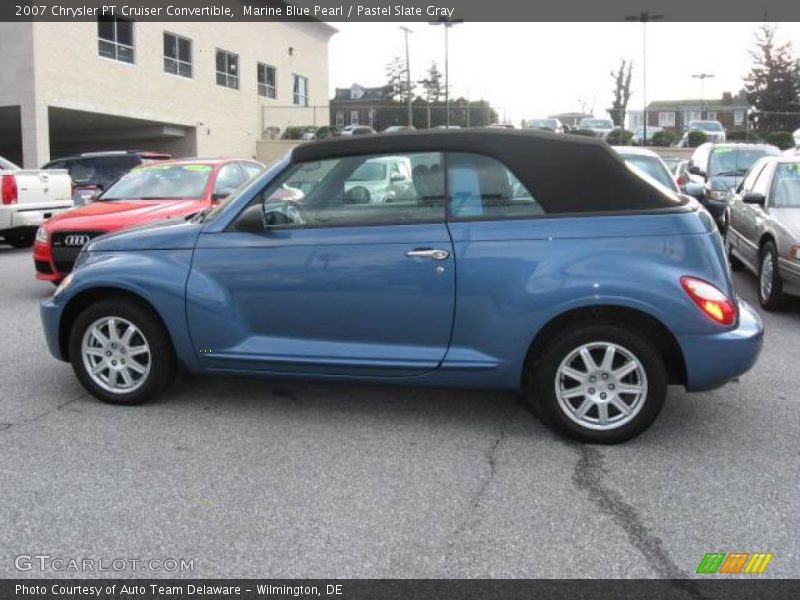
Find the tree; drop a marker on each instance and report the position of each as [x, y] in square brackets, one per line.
[432, 86]
[773, 84]
[397, 80]
[622, 93]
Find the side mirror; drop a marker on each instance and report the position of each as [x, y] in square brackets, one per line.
[695, 170]
[695, 190]
[397, 177]
[753, 198]
[252, 219]
[220, 195]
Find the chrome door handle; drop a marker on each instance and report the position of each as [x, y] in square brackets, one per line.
[428, 253]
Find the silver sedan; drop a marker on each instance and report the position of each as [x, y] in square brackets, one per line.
[763, 227]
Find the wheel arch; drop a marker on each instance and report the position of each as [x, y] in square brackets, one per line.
[81, 300]
[656, 331]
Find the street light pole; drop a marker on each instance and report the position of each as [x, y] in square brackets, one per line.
[406, 30]
[644, 18]
[448, 23]
[702, 77]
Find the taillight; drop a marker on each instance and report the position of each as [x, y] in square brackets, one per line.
[681, 181]
[8, 189]
[710, 300]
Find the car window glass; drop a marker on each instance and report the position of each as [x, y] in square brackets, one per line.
[251, 169]
[358, 190]
[761, 184]
[481, 187]
[652, 167]
[786, 186]
[229, 178]
[750, 178]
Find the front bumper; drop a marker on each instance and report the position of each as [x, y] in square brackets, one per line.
[714, 359]
[789, 271]
[43, 262]
[50, 313]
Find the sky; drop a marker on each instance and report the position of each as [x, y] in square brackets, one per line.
[532, 70]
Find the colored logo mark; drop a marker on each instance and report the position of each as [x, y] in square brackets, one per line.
[734, 562]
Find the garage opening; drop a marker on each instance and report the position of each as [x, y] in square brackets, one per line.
[11, 134]
[74, 132]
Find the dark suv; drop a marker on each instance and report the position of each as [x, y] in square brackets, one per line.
[93, 172]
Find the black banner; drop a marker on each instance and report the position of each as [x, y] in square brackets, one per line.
[711, 588]
[402, 10]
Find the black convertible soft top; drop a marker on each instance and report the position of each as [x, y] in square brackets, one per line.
[565, 173]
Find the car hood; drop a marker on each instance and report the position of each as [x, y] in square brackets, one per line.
[789, 218]
[116, 214]
[166, 234]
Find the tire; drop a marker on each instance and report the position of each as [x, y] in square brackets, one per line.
[154, 370]
[552, 387]
[770, 286]
[21, 240]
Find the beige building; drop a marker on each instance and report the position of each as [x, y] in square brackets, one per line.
[188, 88]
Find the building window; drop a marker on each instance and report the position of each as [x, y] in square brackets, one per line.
[300, 91]
[666, 119]
[711, 115]
[266, 81]
[354, 117]
[738, 117]
[228, 69]
[115, 39]
[177, 55]
[339, 118]
[694, 115]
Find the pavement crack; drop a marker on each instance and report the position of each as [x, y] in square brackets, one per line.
[587, 477]
[486, 482]
[33, 419]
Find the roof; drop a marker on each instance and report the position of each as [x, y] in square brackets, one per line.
[195, 161]
[705, 104]
[367, 93]
[635, 151]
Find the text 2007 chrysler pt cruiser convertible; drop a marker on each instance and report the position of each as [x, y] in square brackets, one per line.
[483, 258]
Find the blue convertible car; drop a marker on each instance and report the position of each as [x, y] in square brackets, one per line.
[473, 258]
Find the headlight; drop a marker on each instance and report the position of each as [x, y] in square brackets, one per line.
[717, 194]
[65, 283]
[41, 234]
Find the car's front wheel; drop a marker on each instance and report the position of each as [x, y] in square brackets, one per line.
[121, 352]
[20, 240]
[600, 383]
[770, 286]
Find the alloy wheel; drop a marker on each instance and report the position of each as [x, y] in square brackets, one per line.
[116, 355]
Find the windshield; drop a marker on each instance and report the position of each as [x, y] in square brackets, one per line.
[549, 123]
[162, 182]
[598, 123]
[786, 186]
[706, 125]
[8, 165]
[652, 167]
[734, 161]
[370, 171]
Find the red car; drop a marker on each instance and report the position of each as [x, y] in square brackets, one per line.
[175, 188]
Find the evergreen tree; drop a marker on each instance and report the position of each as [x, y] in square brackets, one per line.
[432, 86]
[773, 84]
[397, 80]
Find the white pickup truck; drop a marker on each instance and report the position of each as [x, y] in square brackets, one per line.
[28, 198]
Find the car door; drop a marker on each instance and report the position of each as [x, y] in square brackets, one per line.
[327, 286]
[752, 216]
[737, 207]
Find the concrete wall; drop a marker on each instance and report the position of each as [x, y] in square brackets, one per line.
[267, 152]
[70, 74]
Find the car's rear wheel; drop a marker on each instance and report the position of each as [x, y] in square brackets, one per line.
[770, 286]
[121, 352]
[600, 383]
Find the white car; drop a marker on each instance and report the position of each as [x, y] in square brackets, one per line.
[381, 180]
[28, 198]
[714, 131]
[649, 164]
[639, 135]
[600, 127]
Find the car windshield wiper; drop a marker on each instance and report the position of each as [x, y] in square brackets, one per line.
[730, 173]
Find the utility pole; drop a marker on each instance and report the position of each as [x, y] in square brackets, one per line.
[702, 77]
[406, 30]
[644, 18]
[447, 23]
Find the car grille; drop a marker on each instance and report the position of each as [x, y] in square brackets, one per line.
[66, 245]
[42, 266]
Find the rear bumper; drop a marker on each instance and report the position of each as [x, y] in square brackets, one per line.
[713, 360]
[17, 216]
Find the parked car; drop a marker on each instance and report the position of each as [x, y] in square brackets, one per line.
[92, 172]
[379, 180]
[357, 130]
[593, 316]
[639, 138]
[553, 125]
[29, 197]
[720, 168]
[649, 163]
[715, 132]
[600, 127]
[167, 190]
[399, 128]
[763, 228]
[678, 166]
[796, 136]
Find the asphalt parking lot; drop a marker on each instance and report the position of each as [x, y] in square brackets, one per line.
[265, 478]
